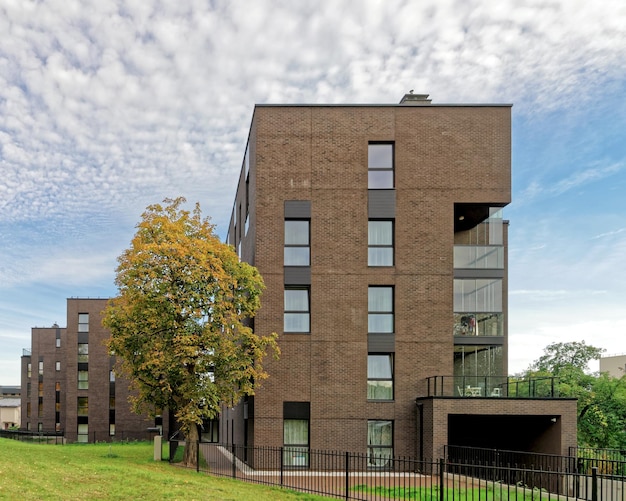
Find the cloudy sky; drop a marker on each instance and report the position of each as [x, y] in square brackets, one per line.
[107, 107]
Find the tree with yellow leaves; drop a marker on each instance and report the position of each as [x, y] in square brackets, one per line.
[180, 322]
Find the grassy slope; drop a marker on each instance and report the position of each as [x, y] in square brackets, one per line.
[114, 471]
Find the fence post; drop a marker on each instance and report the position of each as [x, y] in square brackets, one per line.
[234, 465]
[347, 475]
[282, 464]
[442, 465]
[594, 483]
[197, 455]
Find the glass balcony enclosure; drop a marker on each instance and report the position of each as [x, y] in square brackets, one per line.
[479, 257]
[478, 245]
[478, 324]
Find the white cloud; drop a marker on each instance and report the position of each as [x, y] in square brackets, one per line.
[106, 109]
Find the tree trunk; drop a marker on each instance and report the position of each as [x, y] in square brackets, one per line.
[190, 458]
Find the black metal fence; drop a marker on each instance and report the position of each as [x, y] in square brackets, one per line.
[58, 437]
[41, 437]
[607, 461]
[359, 476]
[492, 386]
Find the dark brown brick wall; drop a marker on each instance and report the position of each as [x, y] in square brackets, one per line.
[128, 424]
[443, 155]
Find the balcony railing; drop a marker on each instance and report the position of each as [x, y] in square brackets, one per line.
[492, 387]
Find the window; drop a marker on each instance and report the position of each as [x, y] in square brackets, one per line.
[29, 369]
[83, 406]
[380, 243]
[297, 247]
[379, 443]
[58, 342]
[40, 407]
[28, 389]
[474, 295]
[83, 352]
[380, 376]
[39, 427]
[28, 409]
[380, 166]
[83, 433]
[57, 366]
[83, 322]
[83, 380]
[112, 429]
[296, 441]
[112, 376]
[380, 309]
[41, 368]
[478, 307]
[297, 318]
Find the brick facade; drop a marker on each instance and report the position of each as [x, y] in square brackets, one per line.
[445, 156]
[107, 399]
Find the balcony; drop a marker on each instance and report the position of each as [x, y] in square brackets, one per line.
[492, 387]
[479, 257]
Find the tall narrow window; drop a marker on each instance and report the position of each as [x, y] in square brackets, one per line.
[380, 309]
[41, 368]
[296, 441]
[379, 443]
[57, 406]
[380, 243]
[83, 352]
[83, 322]
[58, 366]
[380, 376]
[83, 433]
[29, 369]
[83, 380]
[297, 247]
[380, 166]
[83, 406]
[297, 310]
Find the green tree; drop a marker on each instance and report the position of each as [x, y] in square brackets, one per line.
[180, 322]
[560, 357]
[601, 398]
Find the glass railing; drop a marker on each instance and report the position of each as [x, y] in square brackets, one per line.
[479, 256]
[492, 387]
[478, 324]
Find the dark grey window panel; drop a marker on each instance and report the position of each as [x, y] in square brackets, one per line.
[381, 343]
[296, 410]
[381, 204]
[297, 275]
[83, 337]
[298, 209]
[459, 273]
[83, 366]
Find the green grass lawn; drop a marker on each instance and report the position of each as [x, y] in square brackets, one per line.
[115, 471]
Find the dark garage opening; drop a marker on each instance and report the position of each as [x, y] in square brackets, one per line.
[541, 434]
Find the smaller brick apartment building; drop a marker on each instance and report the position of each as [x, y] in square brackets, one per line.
[69, 382]
[378, 231]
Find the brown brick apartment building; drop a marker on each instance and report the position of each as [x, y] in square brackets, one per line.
[378, 231]
[69, 383]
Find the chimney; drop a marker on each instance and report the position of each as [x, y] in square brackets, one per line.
[411, 99]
